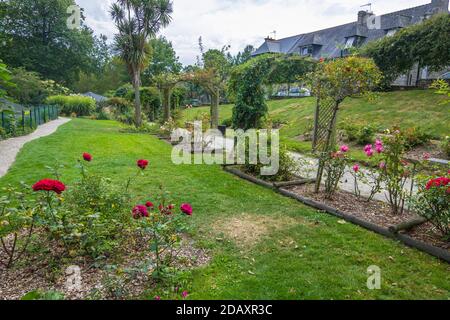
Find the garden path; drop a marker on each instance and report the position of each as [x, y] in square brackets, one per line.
[10, 148]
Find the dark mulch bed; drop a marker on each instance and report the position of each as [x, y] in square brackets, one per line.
[46, 271]
[376, 212]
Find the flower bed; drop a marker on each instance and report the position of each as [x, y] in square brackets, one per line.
[120, 249]
[375, 212]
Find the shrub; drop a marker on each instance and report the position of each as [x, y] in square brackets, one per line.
[18, 212]
[227, 122]
[121, 109]
[94, 215]
[163, 226]
[334, 167]
[445, 146]
[360, 134]
[79, 105]
[415, 137]
[433, 203]
[285, 172]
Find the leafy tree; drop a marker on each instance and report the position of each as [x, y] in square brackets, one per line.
[244, 56]
[5, 77]
[35, 36]
[426, 43]
[164, 60]
[213, 77]
[248, 80]
[137, 21]
[166, 83]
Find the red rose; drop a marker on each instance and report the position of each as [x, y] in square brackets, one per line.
[87, 157]
[186, 208]
[171, 207]
[140, 211]
[149, 204]
[143, 164]
[438, 182]
[49, 185]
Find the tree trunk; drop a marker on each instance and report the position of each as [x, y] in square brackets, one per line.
[166, 104]
[137, 99]
[215, 101]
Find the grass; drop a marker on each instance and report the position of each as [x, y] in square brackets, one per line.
[406, 109]
[302, 254]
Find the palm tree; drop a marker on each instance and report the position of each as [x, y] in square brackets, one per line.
[137, 21]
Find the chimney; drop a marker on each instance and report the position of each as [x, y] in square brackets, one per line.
[363, 15]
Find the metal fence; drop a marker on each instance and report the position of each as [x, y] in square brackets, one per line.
[28, 118]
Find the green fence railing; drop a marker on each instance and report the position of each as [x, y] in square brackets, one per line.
[27, 119]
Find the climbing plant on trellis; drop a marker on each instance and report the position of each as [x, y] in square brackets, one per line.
[332, 83]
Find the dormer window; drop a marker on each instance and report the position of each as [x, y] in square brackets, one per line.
[305, 51]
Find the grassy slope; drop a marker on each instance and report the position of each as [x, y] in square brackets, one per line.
[403, 108]
[331, 259]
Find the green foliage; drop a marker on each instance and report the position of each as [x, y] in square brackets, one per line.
[342, 78]
[29, 89]
[43, 295]
[247, 85]
[334, 164]
[94, 215]
[37, 39]
[433, 203]
[164, 59]
[361, 134]
[426, 43]
[395, 170]
[5, 77]
[136, 22]
[18, 214]
[443, 88]
[121, 109]
[445, 146]
[285, 172]
[416, 136]
[78, 105]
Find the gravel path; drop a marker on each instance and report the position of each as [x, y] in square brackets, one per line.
[11, 147]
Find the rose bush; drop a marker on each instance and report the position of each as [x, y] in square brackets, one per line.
[433, 203]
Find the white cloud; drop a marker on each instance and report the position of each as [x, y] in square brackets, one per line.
[241, 22]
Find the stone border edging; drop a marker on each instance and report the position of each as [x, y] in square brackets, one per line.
[407, 240]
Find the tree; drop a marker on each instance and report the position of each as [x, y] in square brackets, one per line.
[248, 80]
[244, 56]
[35, 36]
[5, 77]
[166, 82]
[333, 82]
[212, 77]
[137, 21]
[426, 43]
[164, 60]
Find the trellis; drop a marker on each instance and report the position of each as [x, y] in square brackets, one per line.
[324, 130]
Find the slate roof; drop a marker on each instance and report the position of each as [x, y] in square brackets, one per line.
[328, 43]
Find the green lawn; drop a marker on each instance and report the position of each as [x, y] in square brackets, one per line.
[301, 253]
[401, 108]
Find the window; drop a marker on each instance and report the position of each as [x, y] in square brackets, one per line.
[304, 51]
[350, 42]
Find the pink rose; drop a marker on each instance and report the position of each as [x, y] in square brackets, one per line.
[356, 168]
[186, 208]
[379, 148]
[345, 148]
[382, 165]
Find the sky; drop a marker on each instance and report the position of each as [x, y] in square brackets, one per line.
[240, 22]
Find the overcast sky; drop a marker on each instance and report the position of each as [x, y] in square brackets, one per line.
[241, 22]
